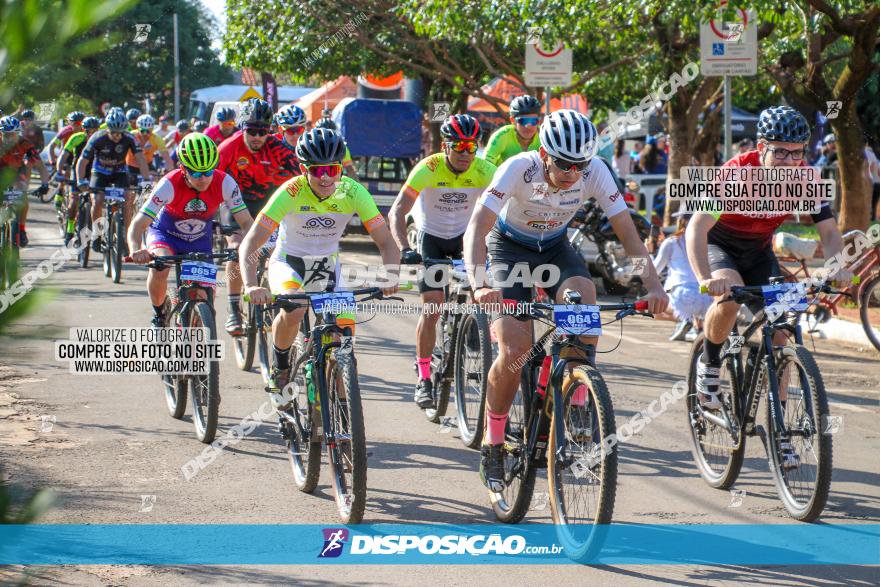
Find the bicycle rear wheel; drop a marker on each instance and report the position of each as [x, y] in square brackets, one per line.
[804, 487]
[348, 455]
[510, 506]
[264, 318]
[473, 359]
[583, 486]
[246, 346]
[108, 250]
[117, 246]
[83, 224]
[869, 309]
[204, 390]
[718, 458]
[441, 376]
[175, 386]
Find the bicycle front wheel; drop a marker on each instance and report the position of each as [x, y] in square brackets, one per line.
[473, 359]
[117, 246]
[204, 389]
[300, 428]
[83, 224]
[803, 476]
[108, 250]
[869, 309]
[348, 454]
[583, 479]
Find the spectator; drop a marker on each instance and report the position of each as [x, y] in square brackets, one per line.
[634, 154]
[688, 305]
[622, 160]
[829, 152]
[662, 143]
[652, 160]
[745, 145]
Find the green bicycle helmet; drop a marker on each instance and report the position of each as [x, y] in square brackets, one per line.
[197, 152]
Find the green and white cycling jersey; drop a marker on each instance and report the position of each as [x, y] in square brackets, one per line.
[311, 226]
[533, 214]
[444, 201]
[504, 144]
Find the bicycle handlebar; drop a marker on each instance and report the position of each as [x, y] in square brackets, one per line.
[164, 262]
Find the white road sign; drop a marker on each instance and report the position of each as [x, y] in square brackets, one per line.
[730, 48]
[547, 67]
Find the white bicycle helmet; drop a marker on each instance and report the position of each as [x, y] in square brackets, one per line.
[146, 122]
[568, 135]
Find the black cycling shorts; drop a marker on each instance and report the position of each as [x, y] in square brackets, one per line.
[253, 206]
[505, 255]
[434, 247]
[118, 179]
[753, 259]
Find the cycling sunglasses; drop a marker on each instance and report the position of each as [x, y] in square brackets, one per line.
[569, 166]
[528, 120]
[462, 146]
[331, 170]
[199, 174]
[145, 131]
[259, 131]
[298, 130]
[227, 123]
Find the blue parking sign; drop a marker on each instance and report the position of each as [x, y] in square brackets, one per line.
[717, 48]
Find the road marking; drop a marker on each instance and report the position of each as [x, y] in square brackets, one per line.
[849, 407]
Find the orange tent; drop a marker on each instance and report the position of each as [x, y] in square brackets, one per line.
[334, 92]
[505, 90]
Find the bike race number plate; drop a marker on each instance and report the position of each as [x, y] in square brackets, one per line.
[792, 296]
[336, 302]
[578, 319]
[12, 195]
[114, 194]
[199, 272]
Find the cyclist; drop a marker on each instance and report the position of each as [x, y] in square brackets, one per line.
[518, 136]
[106, 151]
[150, 143]
[71, 152]
[735, 249]
[178, 215]
[225, 126]
[312, 211]
[527, 208]
[291, 122]
[181, 129]
[18, 154]
[347, 161]
[132, 115]
[74, 125]
[31, 131]
[200, 126]
[444, 188]
[259, 163]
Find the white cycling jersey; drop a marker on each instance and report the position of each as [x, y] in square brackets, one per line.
[533, 214]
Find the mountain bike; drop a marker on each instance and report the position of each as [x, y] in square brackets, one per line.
[326, 401]
[193, 307]
[255, 342]
[9, 245]
[114, 241]
[83, 226]
[752, 367]
[461, 357]
[559, 420]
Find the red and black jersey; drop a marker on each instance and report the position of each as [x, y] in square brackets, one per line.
[17, 154]
[257, 174]
[759, 226]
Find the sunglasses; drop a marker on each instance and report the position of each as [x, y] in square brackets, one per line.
[146, 131]
[293, 129]
[780, 154]
[257, 132]
[228, 123]
[569, 166]
[527, 120]
[331, 170]
[199, 174]
[462, 146]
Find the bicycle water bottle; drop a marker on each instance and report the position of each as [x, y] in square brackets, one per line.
[310, 384]
[544, 375]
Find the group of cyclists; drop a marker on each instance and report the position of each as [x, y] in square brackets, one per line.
[508, 209]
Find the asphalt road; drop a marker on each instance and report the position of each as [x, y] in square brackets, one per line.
[103, 442]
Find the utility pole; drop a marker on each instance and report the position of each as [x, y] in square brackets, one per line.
[176, 73]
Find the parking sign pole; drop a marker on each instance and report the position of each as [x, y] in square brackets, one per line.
[728, 131]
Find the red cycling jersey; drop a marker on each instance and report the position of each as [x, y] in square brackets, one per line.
[15, 156]
[757, 227]
[213, 133]
[257, 174]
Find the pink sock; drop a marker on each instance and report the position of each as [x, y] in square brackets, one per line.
[580, 396]
[496, 425]
[424, 368]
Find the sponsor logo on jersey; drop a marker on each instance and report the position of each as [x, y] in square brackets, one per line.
[441, 184]
[242, 162]
[570, 202]
[546, 213]
[191, 227]
[453, 198]
[157, 201]
[195, 205]
[614, 196]
[305, 208]
[544, 224]
[468, 181]
[496, 193]
[119, 148]
[432, 163]
[320, 222]
[530, 173]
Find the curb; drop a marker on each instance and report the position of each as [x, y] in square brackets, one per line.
[843, 330]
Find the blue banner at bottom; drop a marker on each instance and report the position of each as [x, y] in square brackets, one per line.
[418, 544]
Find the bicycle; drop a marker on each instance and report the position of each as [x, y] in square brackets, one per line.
[9, 244]
[114, 244]
[83, 226]
[324, 374]
[193, 307]
[719, 438]
[254, 337]
[559, 419]
[461, 357]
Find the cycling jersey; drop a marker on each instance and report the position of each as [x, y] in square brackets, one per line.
[76, 143]
[313, 227]
[16, 155]
[757, 228]
[185, 213]
[64, 134]
[444, 200]
[213, 133]
[257, 174]
[504, 144]
[534, 215]
[151, 146]
[34, 135]
[108, 157]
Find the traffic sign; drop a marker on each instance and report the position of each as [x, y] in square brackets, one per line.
[730, 48]
[545, 68]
